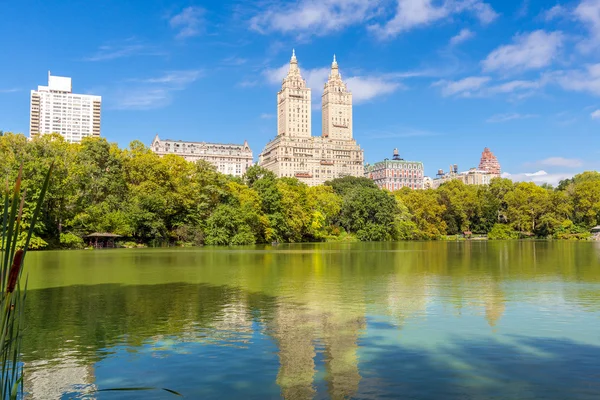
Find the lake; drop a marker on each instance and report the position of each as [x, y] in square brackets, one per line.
[410, 320]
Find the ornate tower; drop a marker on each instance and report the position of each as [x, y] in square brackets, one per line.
[337, 106]
[489, 162]
[293, 104]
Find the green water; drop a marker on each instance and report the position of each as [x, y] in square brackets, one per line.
[434, 320]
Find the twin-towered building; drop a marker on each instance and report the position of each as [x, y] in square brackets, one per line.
[295, 152]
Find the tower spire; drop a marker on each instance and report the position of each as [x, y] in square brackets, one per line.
[334, 69]
[294, 70]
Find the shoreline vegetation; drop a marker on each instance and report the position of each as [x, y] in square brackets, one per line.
[152, 201]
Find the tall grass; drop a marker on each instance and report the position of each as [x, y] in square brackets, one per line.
[12, 291]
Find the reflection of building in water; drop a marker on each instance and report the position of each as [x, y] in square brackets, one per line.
[234, 317]
[51, 379]
[407, 295]
[341, 333]
[336, 322]
[231, 325]
[295, 333]
[494, 304]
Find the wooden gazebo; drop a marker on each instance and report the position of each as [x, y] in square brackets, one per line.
[102, 240]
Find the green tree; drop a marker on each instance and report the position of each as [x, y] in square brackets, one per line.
[527, 205]
[425, 210]
[370, 213]
[342, 186]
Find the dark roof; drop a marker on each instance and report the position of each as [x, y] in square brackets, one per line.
[103, 235]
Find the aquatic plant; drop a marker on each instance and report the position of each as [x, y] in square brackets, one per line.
[12, 291]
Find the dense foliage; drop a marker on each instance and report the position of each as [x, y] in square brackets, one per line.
[98, 187]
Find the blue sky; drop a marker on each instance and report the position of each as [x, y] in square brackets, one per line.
[438, 79]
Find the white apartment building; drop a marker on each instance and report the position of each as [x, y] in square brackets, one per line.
[295, 152]
[473, 176]
[56, 109]
[229, 159]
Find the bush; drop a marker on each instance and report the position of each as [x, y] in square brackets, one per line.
[569, 231]
[502, 232]
[71, 241]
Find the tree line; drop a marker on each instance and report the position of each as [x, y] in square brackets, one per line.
[98, 187]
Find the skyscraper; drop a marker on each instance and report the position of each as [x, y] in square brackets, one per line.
[293, 104]
[337, 106]
[56, 109]
[489, 162]
[313, 159]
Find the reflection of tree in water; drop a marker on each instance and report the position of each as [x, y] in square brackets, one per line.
[315, 297]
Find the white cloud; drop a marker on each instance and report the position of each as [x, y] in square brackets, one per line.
[539, 177]
[276, 75]
[588, 12]
[479, 86]
[363, 88]
[144, 98]
[153, 93]
[464, 35]
[267, 116]
[318, 17]
[581, 80]
[188, 22]
[509, 117]
[595, 114]
[465, 87]
[411, 14]
[126, 48]
[529, 51]
[555, 12]
[175, 78]
[11, 90]
[513, 86]
[561, 162]
[321, 17]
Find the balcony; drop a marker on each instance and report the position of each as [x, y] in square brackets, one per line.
[302, 175]
[324, 162]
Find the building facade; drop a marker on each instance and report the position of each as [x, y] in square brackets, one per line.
[229, 159]
[56, 109]
[396, 173]
[427, 182]
[295, 152]
[489, 163]
[473, 176]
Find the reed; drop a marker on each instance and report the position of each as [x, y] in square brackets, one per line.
[12, 290]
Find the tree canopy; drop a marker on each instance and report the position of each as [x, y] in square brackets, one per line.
[98, 187]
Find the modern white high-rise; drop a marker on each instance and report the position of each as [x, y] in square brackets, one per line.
[56, 109]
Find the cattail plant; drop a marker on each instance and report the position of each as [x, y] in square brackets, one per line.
[12, 291]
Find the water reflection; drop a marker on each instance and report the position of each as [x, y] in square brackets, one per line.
[426, 320]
